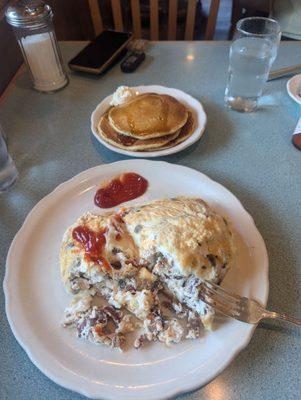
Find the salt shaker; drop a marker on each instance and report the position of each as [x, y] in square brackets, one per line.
[32, 24]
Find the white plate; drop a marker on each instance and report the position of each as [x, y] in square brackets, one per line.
[35, 297]
[293, 87]
[194, 106]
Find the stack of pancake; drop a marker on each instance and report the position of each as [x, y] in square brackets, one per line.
[148, 122]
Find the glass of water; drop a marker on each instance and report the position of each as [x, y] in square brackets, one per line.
[252, 54]
[8, 170]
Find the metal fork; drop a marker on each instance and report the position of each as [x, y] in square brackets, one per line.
[234, 306]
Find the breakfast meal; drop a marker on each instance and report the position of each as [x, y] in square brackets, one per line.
[145, 122]
[140, 270]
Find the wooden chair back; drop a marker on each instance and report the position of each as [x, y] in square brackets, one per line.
[154, 18]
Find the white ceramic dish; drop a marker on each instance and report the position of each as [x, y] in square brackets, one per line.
[293, 87]
[190, 102]
[35, 298]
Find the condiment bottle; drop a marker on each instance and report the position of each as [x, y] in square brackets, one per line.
[296, 138]
[32, 24]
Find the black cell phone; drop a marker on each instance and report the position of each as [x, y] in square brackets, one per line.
[101, 52]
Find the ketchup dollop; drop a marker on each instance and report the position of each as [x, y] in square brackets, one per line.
[93, 244]
[127, 186]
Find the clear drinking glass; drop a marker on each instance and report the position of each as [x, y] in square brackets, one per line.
[252, 54]
[8, 170]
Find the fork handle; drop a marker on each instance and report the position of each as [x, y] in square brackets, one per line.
[283, 317]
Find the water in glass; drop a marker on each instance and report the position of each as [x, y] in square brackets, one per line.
[252, 54]
[250, 62]
[8, 170]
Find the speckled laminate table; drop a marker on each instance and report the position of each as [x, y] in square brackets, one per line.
[251, 154]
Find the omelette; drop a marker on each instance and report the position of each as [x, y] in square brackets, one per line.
[138, 256]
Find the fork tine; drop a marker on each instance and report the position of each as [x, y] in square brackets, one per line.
[228, 311]
[215, 294]
[218, 288]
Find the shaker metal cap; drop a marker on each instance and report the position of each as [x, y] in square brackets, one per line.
[27, 13]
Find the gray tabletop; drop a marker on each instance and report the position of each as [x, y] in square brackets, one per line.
[251, 154]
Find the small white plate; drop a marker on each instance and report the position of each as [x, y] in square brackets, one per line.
[35, 298]
[194, 106]
[293, 87]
